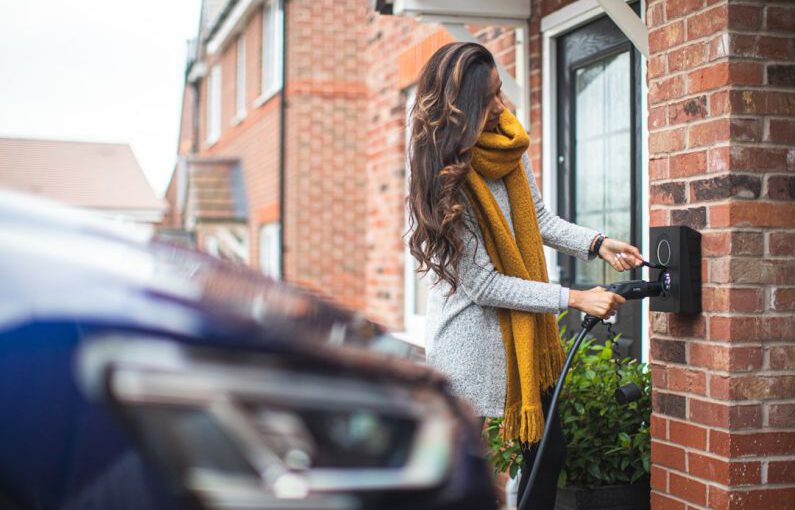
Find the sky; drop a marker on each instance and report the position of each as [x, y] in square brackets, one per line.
[97, 70]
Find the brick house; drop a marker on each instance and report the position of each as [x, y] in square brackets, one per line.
[286, 146]
[699, 133]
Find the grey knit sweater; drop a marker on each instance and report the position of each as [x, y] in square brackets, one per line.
[462, 333]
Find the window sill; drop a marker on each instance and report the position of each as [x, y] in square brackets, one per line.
[407, 337]
[238, 118]
[266, 96]
[209, 142]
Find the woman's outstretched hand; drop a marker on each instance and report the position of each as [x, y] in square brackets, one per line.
[622, 256]
[596, 301]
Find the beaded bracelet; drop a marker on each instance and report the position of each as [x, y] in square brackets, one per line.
[598, 243]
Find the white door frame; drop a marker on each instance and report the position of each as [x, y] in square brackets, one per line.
[553, 26]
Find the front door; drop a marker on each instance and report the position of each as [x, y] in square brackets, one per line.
[598, 140]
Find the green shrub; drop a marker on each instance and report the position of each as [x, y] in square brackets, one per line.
[607, 443]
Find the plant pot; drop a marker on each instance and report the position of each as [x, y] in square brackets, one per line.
[610, 497]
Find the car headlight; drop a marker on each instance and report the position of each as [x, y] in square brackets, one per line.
[258, 430]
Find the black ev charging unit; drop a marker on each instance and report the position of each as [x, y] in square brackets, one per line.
[679, 250]
[674, 286]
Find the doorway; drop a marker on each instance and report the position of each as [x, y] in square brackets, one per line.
[598, 156]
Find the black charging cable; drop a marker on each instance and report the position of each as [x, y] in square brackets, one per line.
[633, 289]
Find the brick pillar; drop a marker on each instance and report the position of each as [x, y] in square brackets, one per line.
[721, 106]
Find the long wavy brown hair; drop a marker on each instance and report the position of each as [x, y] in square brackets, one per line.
[447, 118]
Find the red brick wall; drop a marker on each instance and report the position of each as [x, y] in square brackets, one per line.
[327, 135]
[325, 163]
[721, 106]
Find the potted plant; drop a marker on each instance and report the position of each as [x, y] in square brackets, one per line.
[608, 444]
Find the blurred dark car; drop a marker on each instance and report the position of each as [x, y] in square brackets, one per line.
[139, 375]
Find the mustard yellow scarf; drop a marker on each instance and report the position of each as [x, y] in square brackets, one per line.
[533, 352]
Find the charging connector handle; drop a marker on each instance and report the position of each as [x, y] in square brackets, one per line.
[636, 289]
[631, 289]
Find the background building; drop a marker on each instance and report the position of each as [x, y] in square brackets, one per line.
[102, 177]
[299, 150]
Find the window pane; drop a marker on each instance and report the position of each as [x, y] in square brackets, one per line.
[267, 47]
[270, 250]
[214, 104]
[603, 165]
[271, 46]
[241, 75]
[590, 191]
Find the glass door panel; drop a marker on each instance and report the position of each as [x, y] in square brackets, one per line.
[602, 163]
[598, 138]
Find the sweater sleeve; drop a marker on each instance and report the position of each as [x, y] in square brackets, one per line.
[486, 286]
[556, 232]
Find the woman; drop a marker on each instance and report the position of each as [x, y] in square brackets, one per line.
[478, 224]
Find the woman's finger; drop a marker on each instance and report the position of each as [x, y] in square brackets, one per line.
[625, 260]
[636, 255]
[620, 263]
[629, 260]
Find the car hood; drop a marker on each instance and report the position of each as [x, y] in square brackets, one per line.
[63, 264]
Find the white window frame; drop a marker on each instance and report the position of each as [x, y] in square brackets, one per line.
[211, 246]
[554, 25]
[271, 50]
[413, 323]
[240, 78]
[214, 104]
[270, 249]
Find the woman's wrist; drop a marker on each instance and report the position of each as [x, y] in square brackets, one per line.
[574, 298]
